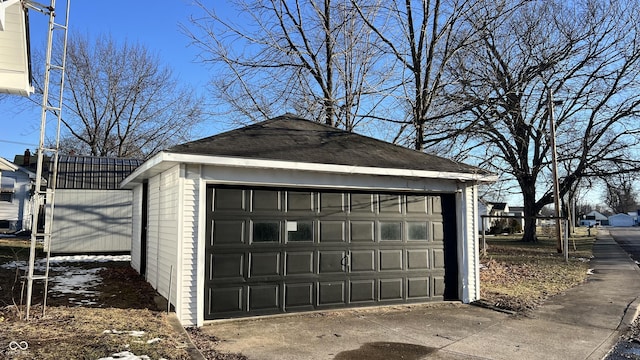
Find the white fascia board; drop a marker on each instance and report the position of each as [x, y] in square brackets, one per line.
[3, 9]
[326, 168]
[6, 165]
[169, 159]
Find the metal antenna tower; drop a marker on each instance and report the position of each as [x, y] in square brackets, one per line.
[52, 95]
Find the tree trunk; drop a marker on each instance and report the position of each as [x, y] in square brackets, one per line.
[530, 212]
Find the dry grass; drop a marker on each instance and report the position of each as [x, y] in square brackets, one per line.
[520, 276]
[79, 333]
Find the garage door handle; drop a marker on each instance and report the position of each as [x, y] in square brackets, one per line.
[345, 261]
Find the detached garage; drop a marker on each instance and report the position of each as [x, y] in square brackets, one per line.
[290, 215]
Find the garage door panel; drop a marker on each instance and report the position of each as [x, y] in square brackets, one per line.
[264, 297]
[362, 231]
[390, 260]
[438, 286]
[225, 300]
[416, 204]
[390, 204]
[332, 203]
[331, 293]
[418, 259]
[437, 231]
[391, 289]
[299, 295]
[331, 262]
[299, 263]
[438, 258]
[332, 231]
[362, 291]
[362, 203]
[417, 287]
[363, 261]
[300, 201]
[227, 266]
[264, 264]
[266, 201]
[228, 232]
[229, 199]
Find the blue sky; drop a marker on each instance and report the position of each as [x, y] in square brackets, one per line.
[154, 24]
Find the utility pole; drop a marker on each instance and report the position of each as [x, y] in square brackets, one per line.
[556, 186]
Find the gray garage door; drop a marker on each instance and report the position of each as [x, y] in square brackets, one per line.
[281, 250]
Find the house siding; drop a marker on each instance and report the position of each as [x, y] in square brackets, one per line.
[18, 212]
[187, 305]
[152, 234]
[136, 228]
[92, 221]
[167, 233]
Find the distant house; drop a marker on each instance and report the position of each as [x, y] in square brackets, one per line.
[597, 217]
[623, 220]
[91, 214]
[15, 197]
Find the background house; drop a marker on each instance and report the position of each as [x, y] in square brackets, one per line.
[597, 217]
[15, 197]
[290, 215]
[623, 220]
[91, 213]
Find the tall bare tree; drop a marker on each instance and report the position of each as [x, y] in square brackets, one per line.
[586, 54]
[312, 57]
[121, 101]
[621, 196]
[422, 36]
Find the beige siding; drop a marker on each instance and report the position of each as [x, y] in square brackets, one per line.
[152, 233]
[188, 304]
[87, 221]
[136, 228]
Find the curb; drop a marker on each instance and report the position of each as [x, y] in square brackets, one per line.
[191, 349]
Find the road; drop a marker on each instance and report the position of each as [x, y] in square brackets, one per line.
[629, 348]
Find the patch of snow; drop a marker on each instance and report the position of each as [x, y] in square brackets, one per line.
[67, 279]
[126, 355]
[153, 341]
[590, 272]
[136, 333]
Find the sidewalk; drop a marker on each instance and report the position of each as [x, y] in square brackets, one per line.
[582, 323]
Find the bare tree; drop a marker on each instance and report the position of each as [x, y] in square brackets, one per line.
[311, 57]
[586, 54]
[621, 196]
[120, 101]
[422, 36]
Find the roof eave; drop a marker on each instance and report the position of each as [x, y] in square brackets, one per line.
[169, 159]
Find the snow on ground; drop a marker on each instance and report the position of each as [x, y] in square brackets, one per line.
[66, 278]
[126, 355]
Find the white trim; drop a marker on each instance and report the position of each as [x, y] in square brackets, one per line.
[6, 165]
[225, 161]
[180, 242]
[202, 219]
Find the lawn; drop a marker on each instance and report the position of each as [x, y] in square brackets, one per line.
[519, 276]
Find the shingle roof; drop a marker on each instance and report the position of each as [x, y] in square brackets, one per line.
[92, 172]
[289, 138]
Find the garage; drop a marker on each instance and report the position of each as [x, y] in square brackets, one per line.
[282, 250]
[290, 215]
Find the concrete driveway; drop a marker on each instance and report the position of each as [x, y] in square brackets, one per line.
[395, 332]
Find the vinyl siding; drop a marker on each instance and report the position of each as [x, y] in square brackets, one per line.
[188, 302]
[90, 221]
[18, 211]
[136, 227]
[152, 234]
[167, 233]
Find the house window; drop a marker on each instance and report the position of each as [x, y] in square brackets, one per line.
[6, 196]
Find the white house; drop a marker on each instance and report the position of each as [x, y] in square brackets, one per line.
[290, 215]
[621, 220]
[15, 197]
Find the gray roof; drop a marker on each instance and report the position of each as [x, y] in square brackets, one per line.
[289, 138]
[93, 172]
